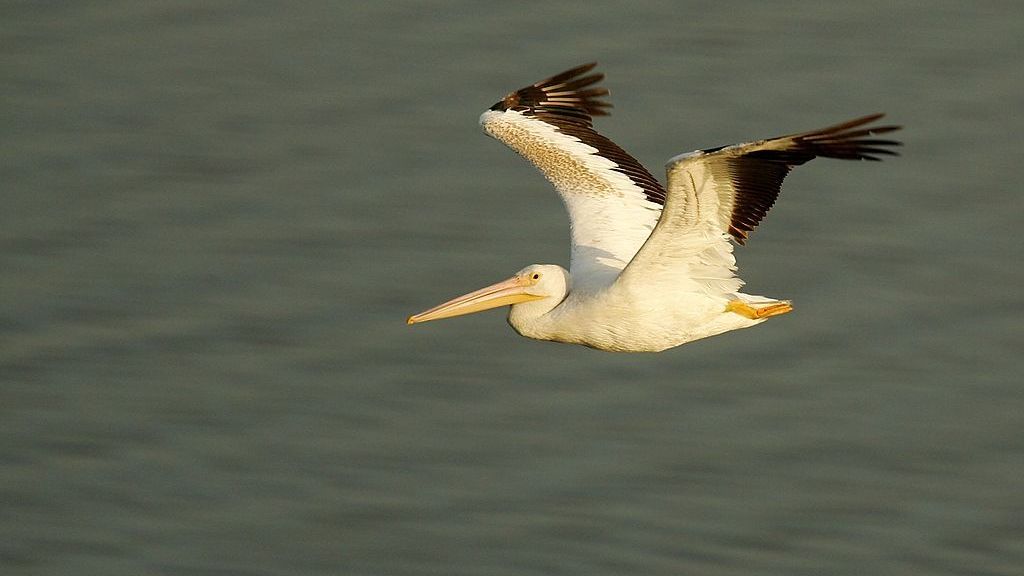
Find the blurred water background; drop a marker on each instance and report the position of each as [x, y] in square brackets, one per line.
[216, 215]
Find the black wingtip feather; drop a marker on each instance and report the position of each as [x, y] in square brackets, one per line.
[569, 95]
[757, 175]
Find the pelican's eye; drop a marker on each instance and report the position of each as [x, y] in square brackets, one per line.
[536, 276]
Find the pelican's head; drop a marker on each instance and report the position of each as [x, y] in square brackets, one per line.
[536, 289]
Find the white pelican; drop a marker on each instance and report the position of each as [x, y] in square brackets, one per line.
[650, 267]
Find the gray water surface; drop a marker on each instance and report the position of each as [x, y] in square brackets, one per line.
[216, 215]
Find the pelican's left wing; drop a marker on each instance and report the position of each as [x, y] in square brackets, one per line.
[612, 200]
[724, 192]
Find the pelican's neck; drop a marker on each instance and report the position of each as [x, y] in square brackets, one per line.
[533, 319]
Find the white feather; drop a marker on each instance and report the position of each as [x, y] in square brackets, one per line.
[610, 216]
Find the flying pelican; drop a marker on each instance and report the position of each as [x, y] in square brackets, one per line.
[650, 267]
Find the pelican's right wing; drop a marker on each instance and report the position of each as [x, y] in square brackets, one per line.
[612, 200]
[724, 192]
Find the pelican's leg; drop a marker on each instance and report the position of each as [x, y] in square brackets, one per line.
[746, 310]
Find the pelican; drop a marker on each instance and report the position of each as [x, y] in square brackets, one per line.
[651, 267]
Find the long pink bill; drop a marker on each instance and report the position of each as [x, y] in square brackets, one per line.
[504, 293]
